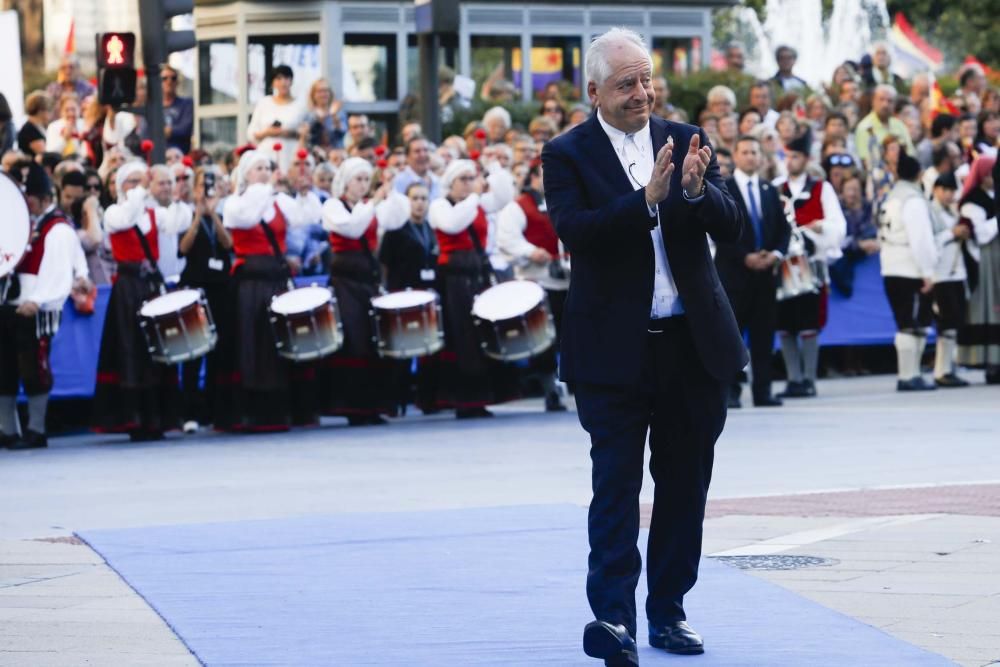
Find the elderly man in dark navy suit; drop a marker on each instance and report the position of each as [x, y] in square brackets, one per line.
[651, 343]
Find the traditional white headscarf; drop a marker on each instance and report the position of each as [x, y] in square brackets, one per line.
[124, 172]
[455, 169]
[348, 169]
[247, 161]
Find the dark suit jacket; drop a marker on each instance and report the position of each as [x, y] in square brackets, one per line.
[729, 257]
[605, 225]
[404, 255]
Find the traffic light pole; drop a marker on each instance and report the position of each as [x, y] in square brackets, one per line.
[430, 107]
[155, 121]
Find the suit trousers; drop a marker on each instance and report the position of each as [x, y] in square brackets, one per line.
[683, 408]
[756, 309]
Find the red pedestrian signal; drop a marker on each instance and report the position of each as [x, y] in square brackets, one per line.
[116, 49]
[116, 74]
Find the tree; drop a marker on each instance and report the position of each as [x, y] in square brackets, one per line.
[957, 27]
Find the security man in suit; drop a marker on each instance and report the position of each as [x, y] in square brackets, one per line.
[747, 268]
[650, 342]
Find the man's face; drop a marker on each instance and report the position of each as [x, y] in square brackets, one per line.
[183, 178]
[495, 129]
[660, 90]
[882, 102]
[357, 126]
[419, 203]
[835, 127]
[944, 196]
[735, 59]
[967, 130]
[134, 180]
[881, 58]
[524, 151]
[747, 157]
[37, 205]
[720, 107]
[160, 188]
[168, 79]
[725, 165]
[67, 71]
[760, 99]
[919, 90]
[323, 180]
[69, 194]
[786, 60]
[626, 97]
[418, 156]
[796, 162]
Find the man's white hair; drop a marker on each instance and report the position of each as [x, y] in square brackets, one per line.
[721, 93]
[598, 65]
[886, 88]
[498, 113]
[159, 169]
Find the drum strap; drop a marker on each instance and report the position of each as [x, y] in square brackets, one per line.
[161, 284]
[489, 275]
[276, 249]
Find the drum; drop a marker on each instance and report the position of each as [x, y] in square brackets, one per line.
[513, 321]
[407, 324]
[178, 326]
[306, 323]
[16, 228]
[797, 276]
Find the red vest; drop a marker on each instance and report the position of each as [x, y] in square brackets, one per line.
[253, 240]
[32, 259]
[449, 243]
[125, 244]
[809, 210]
[339, 243]
[539, 230]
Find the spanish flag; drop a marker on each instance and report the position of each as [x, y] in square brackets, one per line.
[70, 39]
[940, 104]
[911, 54]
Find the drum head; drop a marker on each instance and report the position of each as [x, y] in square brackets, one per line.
[300, 300]
[16, 228]
[507, 300]
[170, 303]
[405, 299]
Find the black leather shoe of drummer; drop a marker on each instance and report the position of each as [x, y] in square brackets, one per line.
[553, 403]
[794, 390]
[6, 441]
[472, 413]
[30, 440]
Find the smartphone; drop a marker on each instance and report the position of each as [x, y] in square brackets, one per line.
[276, 123]
[209, 183]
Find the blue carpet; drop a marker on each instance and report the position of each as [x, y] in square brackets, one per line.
[496, 586]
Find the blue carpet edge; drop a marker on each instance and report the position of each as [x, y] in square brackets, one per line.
[149, 602]
[764, 582]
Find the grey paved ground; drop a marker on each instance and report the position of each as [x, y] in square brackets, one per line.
[925, 572]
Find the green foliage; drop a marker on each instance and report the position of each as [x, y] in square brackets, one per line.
[520, 115]
[689, 92]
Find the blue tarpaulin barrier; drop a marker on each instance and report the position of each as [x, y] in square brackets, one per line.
[862, 319]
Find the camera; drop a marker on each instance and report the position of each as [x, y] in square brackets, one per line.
[209, 183]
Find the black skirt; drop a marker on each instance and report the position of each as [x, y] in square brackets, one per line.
[133, 394]
[469, 379]
[355, 381]
[261, 391]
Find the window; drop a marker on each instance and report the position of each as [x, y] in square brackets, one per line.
[678, 56]
[300, 52]
[556, 60]
[222, 130]
[497, 60]
[369, 68]
[217, 80]
[447, 57]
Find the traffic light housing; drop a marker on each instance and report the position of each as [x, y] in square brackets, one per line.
[116, 68]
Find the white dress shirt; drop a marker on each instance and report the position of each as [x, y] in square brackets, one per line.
[635, 152]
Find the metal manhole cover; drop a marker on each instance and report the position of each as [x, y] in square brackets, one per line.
[775, 562]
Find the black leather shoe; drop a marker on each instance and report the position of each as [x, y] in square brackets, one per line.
[734, 403]
[914, 384]
[610, 642]
[767, 402]
[8, 441]
[472, 413]
[796, 390]
[553, 403]
[30, 440]
[949, 381]
[809, 387]
[677, 637]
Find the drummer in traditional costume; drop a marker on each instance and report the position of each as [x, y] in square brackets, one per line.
[471, 380]
[949, 294]
[357, 383]
[269, 392]
[134, 394]
[29, 315]
[819, 217]
[526, 235]
[409, 255]
[979, 339]
[908, 259]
